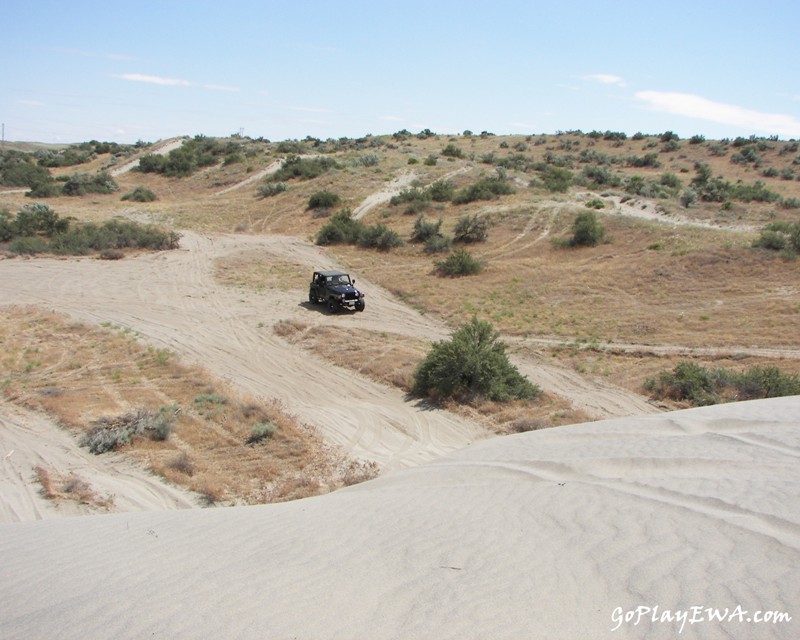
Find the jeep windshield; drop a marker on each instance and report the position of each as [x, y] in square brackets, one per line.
[343, 279]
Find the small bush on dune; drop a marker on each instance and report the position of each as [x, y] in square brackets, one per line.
[108, 434]
[471, 364]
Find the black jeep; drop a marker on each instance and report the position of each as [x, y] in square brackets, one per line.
[335, 289]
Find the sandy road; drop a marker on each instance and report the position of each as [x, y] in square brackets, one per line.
[171, 299]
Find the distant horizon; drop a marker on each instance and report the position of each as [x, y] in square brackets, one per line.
[284, 71]
[477, 134]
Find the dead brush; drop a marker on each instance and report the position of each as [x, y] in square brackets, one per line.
[110, 433]
[358, 471]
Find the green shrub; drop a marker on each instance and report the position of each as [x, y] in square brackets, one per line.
[323, 200]
[424, 230]
[368, 160]
[430, 161]
[438, 244]
[44, 189]
[471, 364]
[556, 179]
[28, 245]
[780, 236]
[38, 218]
[474, 228]
[486, 189]
[688, 198]
[459, 263]
[452, 151]
[690, 382]
[412, 195]
[140, 194]
[379, 237]
[7, 227]
[769, 239]
[83, 183]
[19, 169]
[587, 230]
[303, 168]
[271, 189]
[441, 191]
[340, 229]
[260, 432]
[671, 181]
[601, 176]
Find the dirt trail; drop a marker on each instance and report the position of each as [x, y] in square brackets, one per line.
[382, 197]
[161, 149]
[268, 170]
[172, 300]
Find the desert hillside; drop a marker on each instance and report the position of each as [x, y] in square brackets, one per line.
[685, 266]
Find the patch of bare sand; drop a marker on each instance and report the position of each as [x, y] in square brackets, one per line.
[553, 534]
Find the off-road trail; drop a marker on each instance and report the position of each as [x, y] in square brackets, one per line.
[172, 300]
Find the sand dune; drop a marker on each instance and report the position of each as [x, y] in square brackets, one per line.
[550, 534]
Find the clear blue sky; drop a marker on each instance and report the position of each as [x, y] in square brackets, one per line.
[76, 70]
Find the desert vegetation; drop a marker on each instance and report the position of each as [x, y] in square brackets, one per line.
[698, 385]
[36, 228]
[472, 363]
[617, 257]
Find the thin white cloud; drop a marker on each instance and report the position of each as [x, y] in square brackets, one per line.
[220, 87]
[605, 78]
[693, 106]
[391, 118]
[121, 57]
[140, 77]
[30, 103]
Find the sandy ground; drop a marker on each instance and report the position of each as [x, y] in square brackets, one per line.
[172, 300]
[679, 525]
[28, 440]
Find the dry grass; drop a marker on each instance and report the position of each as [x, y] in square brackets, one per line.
[392, 359]
[80, 374]
[61, 488]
